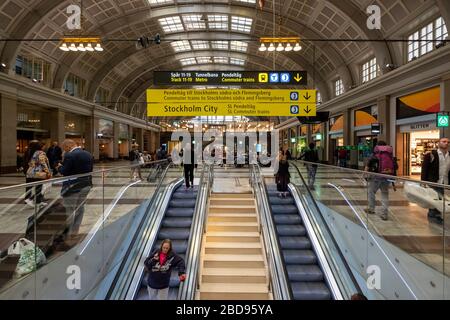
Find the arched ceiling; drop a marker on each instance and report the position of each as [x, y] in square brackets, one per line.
[126, 71]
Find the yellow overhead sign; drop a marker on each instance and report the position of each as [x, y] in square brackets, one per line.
[230, 102]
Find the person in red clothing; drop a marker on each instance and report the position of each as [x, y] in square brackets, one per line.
[160, 265]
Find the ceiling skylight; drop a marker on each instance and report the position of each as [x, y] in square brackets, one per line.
[171, 24]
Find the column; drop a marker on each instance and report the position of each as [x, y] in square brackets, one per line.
[152, 148]
[140, 138]
[116, 128]
[8, 134]
[445, 100]
[347, 134]
[384, 118]
[95, 145]
[57, 126]
[89, 134]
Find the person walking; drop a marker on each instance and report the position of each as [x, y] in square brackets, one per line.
[311, 155]
[188, 166]
[282, 177]
[37, 169]
[134, 156]
[342, 157]
[54, 155]
[382, 161]
[75, 191]
[436, 168]
[159, 266]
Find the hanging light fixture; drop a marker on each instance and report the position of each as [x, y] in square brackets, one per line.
[98, 47]
[73, 47]
[64, 47]
[292, 44]
[81, 47]
[89, 47]
[297, 47]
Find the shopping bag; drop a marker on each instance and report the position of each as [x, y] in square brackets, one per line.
[46, 188]
[141, 160]
[31, 256]
[425, 197]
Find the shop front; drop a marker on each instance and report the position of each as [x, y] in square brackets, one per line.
[417, 132]
[74, 127]
[105, 138]
[32, 124]
[365, 141]
[302, 139]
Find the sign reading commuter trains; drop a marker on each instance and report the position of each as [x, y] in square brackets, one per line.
[230, 102]
[230, 78]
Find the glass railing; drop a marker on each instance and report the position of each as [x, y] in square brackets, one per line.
[397, 248]
[64, 245]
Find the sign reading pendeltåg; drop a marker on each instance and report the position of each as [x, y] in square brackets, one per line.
[230, 102]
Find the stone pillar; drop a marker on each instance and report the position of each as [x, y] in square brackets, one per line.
[95, 145]
[89, 134]
[384, 118]
[152, 148]
[8, 134]
[57, 126]
[116, 128]
[347, 128]
[445, 100]
[140, 138]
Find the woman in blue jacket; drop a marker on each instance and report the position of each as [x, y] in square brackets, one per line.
[160, 265]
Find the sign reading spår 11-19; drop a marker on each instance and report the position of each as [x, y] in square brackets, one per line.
[224, 78]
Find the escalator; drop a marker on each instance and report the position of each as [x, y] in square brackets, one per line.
[176, 226]
[305, 275]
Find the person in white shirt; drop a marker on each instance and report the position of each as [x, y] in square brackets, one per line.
[436, 168]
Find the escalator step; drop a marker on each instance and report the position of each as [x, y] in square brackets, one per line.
[310, 291]
[180, 212]
[174, 233]
[281, 201]
[295, 243]
[304, 273]
[184, 195]
[287, 209]
[291, 230]
[178, 222]
[292, 219]
[299, 257]
[182, 203]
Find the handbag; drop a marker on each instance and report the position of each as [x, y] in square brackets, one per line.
[31, 256]
[141, 160]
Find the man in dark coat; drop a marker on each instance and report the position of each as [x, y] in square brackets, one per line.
[74, 191]
[54, 155]
[436, 168]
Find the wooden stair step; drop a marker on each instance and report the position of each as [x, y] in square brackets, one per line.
[215, 236]
[233, 248]
[231, 195]
[233, 226]
[233, 261]
[231, 209]
[228, 275]
[234, 291]
[232, 217]
[232, 202]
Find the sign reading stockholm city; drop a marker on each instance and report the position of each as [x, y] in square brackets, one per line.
[230, 102]
[224, 78]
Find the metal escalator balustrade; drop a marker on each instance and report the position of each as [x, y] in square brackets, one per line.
[407, 253]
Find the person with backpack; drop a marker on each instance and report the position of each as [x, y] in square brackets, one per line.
[383, 162]
[436, 168]
[311, 155]
[342, 157]
[135, 159]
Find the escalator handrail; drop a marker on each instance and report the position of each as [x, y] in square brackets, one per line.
[328, 230]
[188, 287]
[279, 274]
[146, 218]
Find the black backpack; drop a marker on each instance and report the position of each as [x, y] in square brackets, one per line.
[311, 155]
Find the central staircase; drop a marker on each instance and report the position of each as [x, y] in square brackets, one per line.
[233, 266]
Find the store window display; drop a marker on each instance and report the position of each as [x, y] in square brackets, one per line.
[421, 143]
